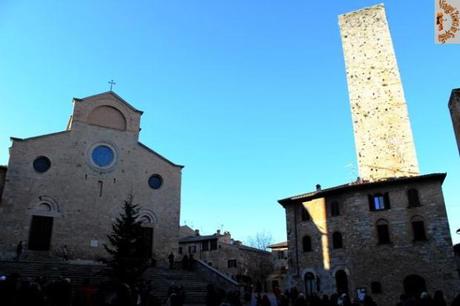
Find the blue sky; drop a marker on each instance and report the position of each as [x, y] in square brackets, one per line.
[250, 96]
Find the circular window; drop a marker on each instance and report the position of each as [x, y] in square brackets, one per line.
[42, 164]
[103, 156]
[155, 181]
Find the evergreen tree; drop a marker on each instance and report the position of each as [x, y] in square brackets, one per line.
[128, 255]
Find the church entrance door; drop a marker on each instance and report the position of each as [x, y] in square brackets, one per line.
[40, 233]
[147, 237]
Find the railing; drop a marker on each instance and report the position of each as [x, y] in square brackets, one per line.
[215, 277]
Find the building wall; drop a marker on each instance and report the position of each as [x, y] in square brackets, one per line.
[454, 108]
[2, 180]
[247, 261]
[383, 136]
[361, 257]
[83, 211]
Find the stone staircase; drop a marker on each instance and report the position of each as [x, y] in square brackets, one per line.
[162, 278]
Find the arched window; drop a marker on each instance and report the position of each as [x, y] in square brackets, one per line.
[335, 209]
[306, 244]
[305, 216]
[418, 228]
[337, 242]
[413, 198]
[376, 287]
[383, 232]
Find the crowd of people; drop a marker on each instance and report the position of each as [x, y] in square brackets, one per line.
[17, 291]
[294, 298]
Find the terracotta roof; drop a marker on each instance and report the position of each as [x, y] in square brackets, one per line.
[198, 238]
[248, 248]
[360, 186]
[283, 244]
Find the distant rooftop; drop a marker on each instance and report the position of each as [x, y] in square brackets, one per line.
[278, 245]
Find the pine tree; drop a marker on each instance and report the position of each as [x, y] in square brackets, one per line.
[128, 261]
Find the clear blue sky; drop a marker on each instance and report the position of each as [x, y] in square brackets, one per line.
[250, 96]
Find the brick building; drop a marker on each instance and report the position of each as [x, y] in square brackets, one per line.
[67, 188]
[240, 262]
[387, 233]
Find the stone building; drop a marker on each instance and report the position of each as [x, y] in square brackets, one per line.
[229, 256]
[454, 108]
[387, 233]
[278, 278]
[388, 237]
[67, 188]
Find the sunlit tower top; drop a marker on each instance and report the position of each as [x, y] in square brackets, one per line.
[383, 136]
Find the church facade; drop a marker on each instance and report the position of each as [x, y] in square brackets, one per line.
[61, 192]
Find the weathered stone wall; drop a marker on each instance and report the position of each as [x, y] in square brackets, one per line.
[2, 180]
[454, 107]
[85, 199]
[362, 258]
[382, 131]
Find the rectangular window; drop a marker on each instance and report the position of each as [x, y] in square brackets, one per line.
[192, 249]
[205, 245]
[379, 201]
[280, 254]
[231, 263]
[214, 244]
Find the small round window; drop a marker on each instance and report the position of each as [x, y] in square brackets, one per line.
[155, 181]
[103, 156]
[42, 164]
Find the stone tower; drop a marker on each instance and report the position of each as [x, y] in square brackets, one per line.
[383, 136]
[454, 107]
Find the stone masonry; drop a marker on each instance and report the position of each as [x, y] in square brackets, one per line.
[382, 131]
[364, 259]
[82, 198]
[454, 107]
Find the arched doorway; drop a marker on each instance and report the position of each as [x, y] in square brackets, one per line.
[341, 281]
[310, 283]
[414, 285]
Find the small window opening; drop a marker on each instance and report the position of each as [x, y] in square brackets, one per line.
[418, 229]
[306, 244]
[337, 242]
[376, 287]
[383, 232]
[100, 184]
[335, 209]
[414, 200]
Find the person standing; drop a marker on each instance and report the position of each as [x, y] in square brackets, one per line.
[19, 250]
[171, 260]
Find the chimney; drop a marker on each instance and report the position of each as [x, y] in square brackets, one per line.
[218, 232]
[197, 232]
[318, 187]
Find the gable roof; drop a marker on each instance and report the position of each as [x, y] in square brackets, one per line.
[109, 93]
[353, 186]
[160, 156]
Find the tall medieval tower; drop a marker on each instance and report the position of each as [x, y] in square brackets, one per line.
[454, 107]
[383, 136]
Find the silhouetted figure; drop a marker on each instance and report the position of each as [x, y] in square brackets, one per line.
[191, 261]
[19, 250]
[171, 260]
[185, 262]
[211, 296]
[65, 252]
[265, 301]
[425, 299]
[456, 301]
[300, 300]
[439, 298]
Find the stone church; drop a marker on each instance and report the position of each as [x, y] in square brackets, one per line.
[387, 233]
[61, 192]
